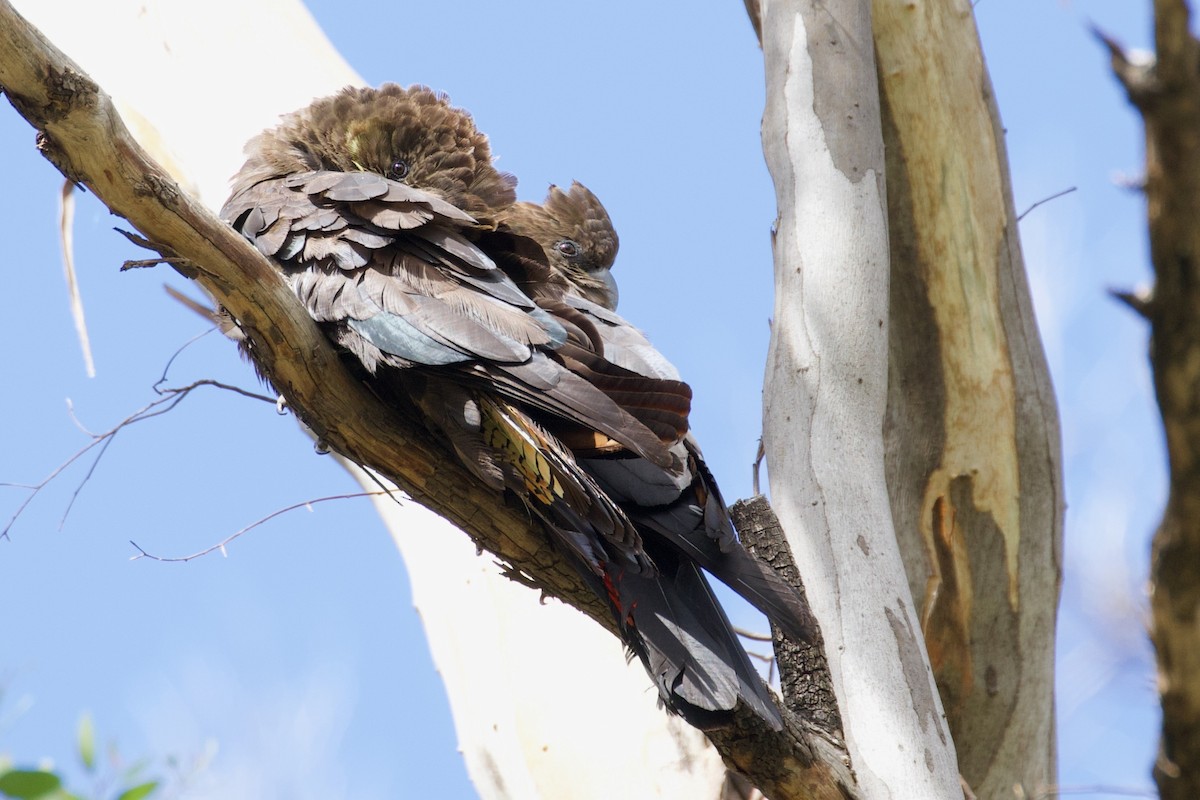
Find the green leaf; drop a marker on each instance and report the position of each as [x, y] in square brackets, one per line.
[86, 737]
[139, 792]
[28, 784]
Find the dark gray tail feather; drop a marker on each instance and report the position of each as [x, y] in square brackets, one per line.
[675, 625]
[692, 517]
[742, 572]
[670, 619]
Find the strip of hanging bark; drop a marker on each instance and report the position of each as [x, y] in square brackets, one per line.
[81, 133]
[66, 223]
[1167, 93]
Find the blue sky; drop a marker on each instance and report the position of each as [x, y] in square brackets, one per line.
[296, 666]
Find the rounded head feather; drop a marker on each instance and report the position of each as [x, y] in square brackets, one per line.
[577, 235]
[411, 135]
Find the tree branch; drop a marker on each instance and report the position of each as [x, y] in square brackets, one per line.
[1166, 91]
[83, 136]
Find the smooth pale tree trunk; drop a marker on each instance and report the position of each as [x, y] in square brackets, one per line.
[512, 664]
[970, 440]
[826, 390]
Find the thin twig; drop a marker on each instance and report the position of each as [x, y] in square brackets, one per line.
[758, 459]
[138, 239]
[167, 368]
[75, 419]
[87, 477]
[1046, 200]
[221, 544]
[169, 399]
[398, 495]
[147, 263]
[757, 637]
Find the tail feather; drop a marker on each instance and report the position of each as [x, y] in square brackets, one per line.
[689, 647]
[693, 519]
[578, 511]
[754, 580]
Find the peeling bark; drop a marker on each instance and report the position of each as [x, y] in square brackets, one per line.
[973, 443]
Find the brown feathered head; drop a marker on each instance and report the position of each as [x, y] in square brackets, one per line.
[411, 135]
[577, 236]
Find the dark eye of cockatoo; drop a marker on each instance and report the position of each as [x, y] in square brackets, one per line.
[398, 171]
[567, 248]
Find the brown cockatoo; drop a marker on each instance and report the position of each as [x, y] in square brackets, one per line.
[680, 514]
[380, 207]
[368, 200]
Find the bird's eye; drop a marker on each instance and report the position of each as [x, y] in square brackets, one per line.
[398, 171]
[567, 248]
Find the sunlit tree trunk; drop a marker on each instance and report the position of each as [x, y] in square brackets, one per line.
[969, 443]
[974, 458]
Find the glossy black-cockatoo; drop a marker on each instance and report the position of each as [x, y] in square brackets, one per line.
[680, 514]
[368, 201]
[380, 208]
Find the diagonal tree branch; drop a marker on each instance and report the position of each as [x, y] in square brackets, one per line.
[83, 136]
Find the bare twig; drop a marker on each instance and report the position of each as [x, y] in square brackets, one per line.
[1044, 200]
[106, 441]
[757, 637]
[769, 660]
[222, 544]
[75, 418]
[163, 378]
[169, 399]
[82, 134]
[146, 263]
[756, 466]
[1139, 299]
[138, 239]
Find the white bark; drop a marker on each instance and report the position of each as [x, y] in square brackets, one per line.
[826, 389]
[536, 690]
